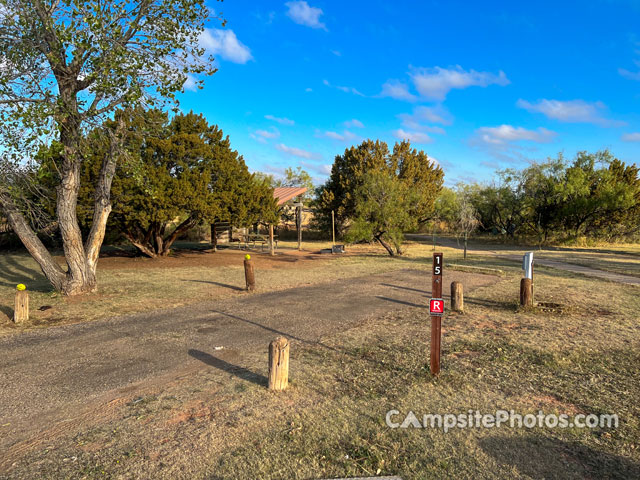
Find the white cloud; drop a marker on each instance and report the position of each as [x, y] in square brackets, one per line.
[322, 169]
[266, 134]
[226, 44]
[398, 90]
[281, 121]
[301, 13]
[422, 114]
[344, 136]
[354, 123]
[435, 83]
[629, 75]
[297, 152]
[191, 84]
[572, 111]
[504, 134]
[308, 89]
[344, 89]
[414, 137]
[337, 53]
[631, 137]
[257, 138]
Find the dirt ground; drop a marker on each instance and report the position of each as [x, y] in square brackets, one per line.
[64, 380]
[129, 284]
[179, 391]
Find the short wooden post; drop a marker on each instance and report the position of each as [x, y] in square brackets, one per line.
[279, 364]
[299, 225]
[249, 273]
[271, 246]
[21, 312]
[214, 236]
[526, 292]
[457, 297]
[333, 228]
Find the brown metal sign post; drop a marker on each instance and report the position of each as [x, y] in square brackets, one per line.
[436, 310]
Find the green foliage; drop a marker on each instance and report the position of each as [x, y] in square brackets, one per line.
[181, 169]
[410, 167]
[595, 195]
[297, 178]
[71, 62]
[383, 210]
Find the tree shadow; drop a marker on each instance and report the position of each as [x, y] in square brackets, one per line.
[8, 311]
[545, 458]
[14, 272]
[401, 287]
[220, 364]
[313, 343]
[273, 330]
[401, 302]
[219, 284]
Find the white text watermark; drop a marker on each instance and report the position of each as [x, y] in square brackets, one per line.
[500, 418]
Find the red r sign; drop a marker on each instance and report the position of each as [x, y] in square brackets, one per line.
[436, 306]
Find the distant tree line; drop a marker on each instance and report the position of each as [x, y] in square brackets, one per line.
[595, 195]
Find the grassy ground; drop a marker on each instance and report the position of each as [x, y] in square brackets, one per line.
[582, 358]
[625, 263]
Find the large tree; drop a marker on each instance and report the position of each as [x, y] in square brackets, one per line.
[178, 173]
[411, 168]
[383, 211]
[65, 66]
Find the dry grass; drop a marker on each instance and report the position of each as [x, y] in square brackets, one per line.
[330, 423]
[130, 285]
[624, 262]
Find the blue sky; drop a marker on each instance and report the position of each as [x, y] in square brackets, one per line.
[477, 85]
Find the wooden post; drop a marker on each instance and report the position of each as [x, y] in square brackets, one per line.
[526, 293]
[214, 236]
[279, 364]
[333, 228]
[436, 321]
[457, 297]
[249, 273]
[21, 312]
[271, 245]
[299, 225]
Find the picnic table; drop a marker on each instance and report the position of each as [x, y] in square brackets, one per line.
[255, 238]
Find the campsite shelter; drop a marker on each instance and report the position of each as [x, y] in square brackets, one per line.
[285, 198]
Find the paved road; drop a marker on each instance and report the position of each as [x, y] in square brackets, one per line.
[539, 259]
[53, 379]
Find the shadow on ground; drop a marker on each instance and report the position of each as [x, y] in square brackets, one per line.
[219, 284]
[14, 272]
[239, 372]
[545, 458]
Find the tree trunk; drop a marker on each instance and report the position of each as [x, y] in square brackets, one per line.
[465, 245]
[387, 247]
[81, 259]
[143, 247]
[184, 227]
[102, 203]
[32, 243]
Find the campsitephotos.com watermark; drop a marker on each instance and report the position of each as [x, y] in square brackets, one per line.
[501, 418]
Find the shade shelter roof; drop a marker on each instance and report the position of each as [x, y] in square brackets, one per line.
[284, 194]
